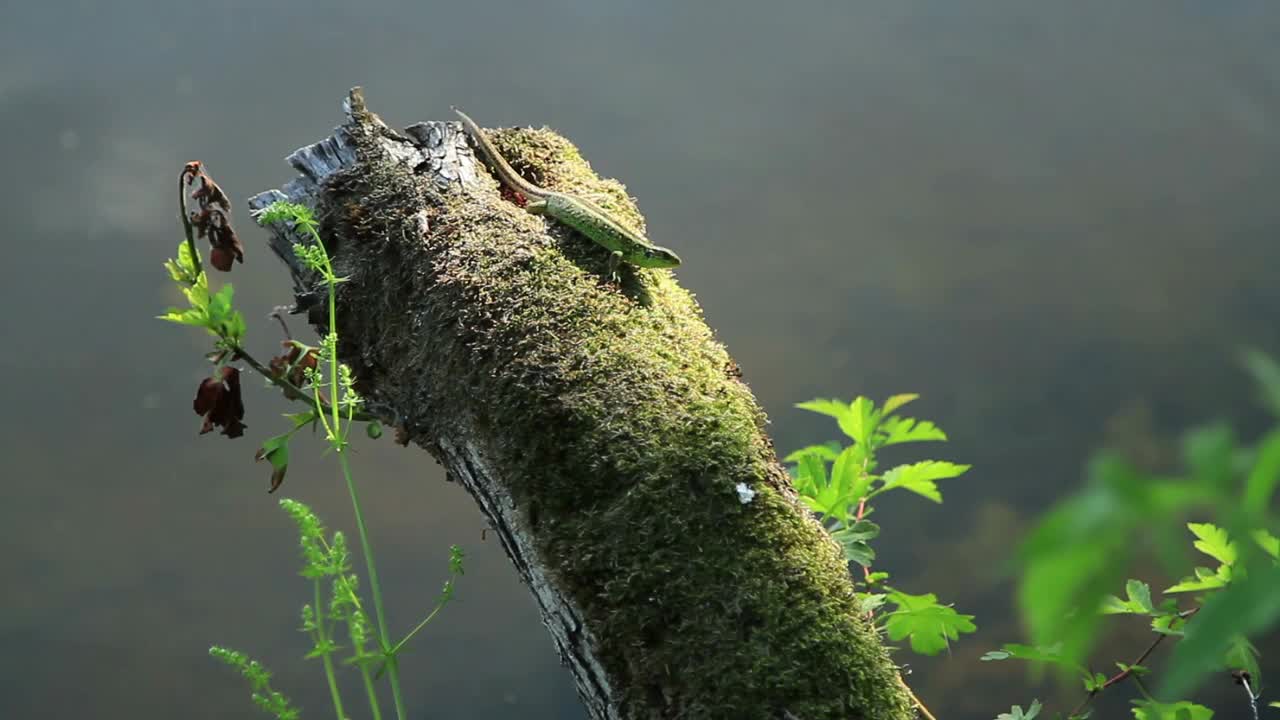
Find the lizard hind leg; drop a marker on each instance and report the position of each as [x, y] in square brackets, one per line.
[615, 260]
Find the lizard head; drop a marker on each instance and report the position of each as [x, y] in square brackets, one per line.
[659, 257]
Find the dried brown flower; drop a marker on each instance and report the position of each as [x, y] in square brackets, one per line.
[218, 401]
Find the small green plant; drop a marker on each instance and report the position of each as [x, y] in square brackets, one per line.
[1080, 549]
[838, 483]
[1083, 547]
[314, 377]
[260, 681]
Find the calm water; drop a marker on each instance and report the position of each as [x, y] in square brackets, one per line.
[1055, 222]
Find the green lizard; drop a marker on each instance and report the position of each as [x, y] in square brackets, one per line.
[625, 244]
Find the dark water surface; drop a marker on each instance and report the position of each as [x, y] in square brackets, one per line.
[1054, 220]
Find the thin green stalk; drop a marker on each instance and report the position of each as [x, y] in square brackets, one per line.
[414, 631]
[325, 656]
[368, 688]
[384, 638]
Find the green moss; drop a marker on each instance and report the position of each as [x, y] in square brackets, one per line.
[623, 430]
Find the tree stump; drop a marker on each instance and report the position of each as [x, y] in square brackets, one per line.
[603, 432]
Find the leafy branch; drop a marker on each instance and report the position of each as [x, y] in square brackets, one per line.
[839, 482]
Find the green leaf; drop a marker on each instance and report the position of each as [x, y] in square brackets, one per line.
[897, 401]
[1205, 579]
[1094, 682]
[1138, 603]
[190, 316]
[220, 303]
[1210, 453]
[198, 295]
[856, 419]
[1266, 372]
[919, 477]
[844, 474]
[862, 420]
[855, 550]
[928, 624]
[828, 451]
[1242, 655]
[1182, 710]
[810, 475]
[275, 450]
[1016, 712]
[1170, 623]
[854, 541]
[901, 430]
[233, 326]
[1213, 542]
[1250, 606]
[870, 602]
[1035, 654]
[1260, 485]
[831, 407]
[1269, 543]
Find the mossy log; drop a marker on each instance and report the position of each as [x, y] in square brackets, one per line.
[603, 432]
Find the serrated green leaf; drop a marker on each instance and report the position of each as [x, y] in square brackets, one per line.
[175, 273]
[1242, 655]
[1204, 579]
[1269, 543]
[827, 406]
[810, 476]
[827, 451]
[1251, 605]
[1209, 452]
[919, 477]
[1168, 624]
[234, 327]
[1016, 712]
[855, 551]
[861, 421]
[1139, 594]
[853, 540]
[1036, 654]
[929, 625]
[1094, 682]
[870, 602]
[845, 471]
[1182, 710]
[1266, 373]
[197, 295]
[275, 450]
[897, 430]
[1213, 541]
[897, 401]
[1260, 485]
[190, 316]
[220, 303]
[1138, 602]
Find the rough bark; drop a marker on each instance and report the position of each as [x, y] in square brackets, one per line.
[600, 428]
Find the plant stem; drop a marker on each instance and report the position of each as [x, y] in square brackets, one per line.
[325, 656]
[1126, 674]
[373, 695]
[384, 639]
[414, 631]
[186, 223]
